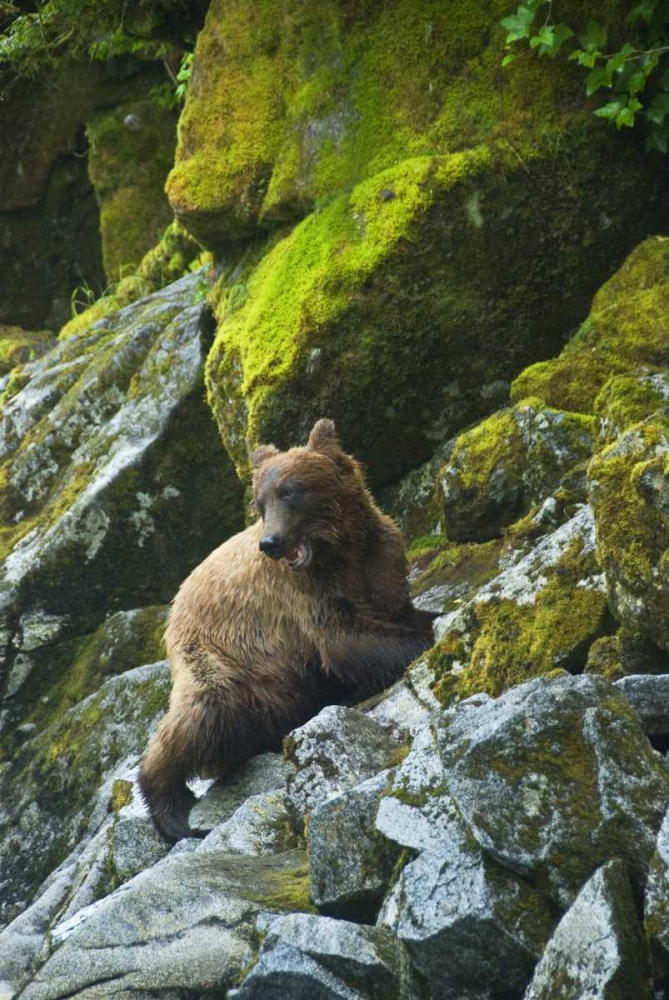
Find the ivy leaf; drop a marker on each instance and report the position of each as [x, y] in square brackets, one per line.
[625, 117]
[610, 110]
[596, 78]
[594, 37]
[587, 59]
[545, 37]
[518, 25]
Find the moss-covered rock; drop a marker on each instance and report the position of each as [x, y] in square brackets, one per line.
[131, 152]
[290, 104]
[53, 789]
[507, 463]
[540, 613]
[628, 484]
[615, 364]
[113, 483]
[17, 346]
[555, 778]
[377, 309]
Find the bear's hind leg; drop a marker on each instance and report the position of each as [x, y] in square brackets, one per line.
[179, 751]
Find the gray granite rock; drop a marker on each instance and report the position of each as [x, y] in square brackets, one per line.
[260, 826]
[656, 905]
[264, 773]
[351, 864]
[554, 778]
[473, 928]
[597, 950]
[186, 924]
[316, 958]
[333, 752]
[648, 694]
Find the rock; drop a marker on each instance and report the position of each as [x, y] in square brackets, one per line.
[613, 366]
[58, 789]
[132, 150]
[317, 958]
[296, 332]
[630, 498]
[541, 612]
[473, 928]
[99, 485]
[333, 752]
[49, 219]
[597, 950]
[649, 697]
[507, 463]
[554, 778]
[351, 865]
[400, 711]
[260, 826]
[417, 812]
[656, 906]
[23, 944]
[178, 926]
[263, 774]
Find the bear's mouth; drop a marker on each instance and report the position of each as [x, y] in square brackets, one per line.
[299, 557]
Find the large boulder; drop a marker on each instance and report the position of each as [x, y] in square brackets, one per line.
[185, 925]
[377, 308]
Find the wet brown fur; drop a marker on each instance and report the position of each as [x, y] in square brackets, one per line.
[256, 649]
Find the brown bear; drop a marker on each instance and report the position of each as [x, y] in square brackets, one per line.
[308, 606]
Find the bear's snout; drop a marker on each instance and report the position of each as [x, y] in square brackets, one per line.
[273, 546]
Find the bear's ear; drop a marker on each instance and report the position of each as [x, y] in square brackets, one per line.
[262, 453]
[323, 436]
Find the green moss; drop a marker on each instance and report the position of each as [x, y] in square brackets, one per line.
[626, 484]
[121, 794]
[462, 568]
[309, 100]
[604, 658]
[18, 346]
[175, 255]
[375, 309]
[507, 462]
[606, 367]
[510, 643]
[131, 152]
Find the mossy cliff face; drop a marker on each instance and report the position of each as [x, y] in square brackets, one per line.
[379, 309]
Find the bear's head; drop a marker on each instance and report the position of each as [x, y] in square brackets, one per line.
[310, 499]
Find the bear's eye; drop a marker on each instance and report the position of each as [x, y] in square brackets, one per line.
[289, 493]
[260, 507]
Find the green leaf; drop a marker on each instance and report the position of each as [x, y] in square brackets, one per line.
[595, 36]
[508, 59]
[587, 59]
[610, 110]
[625, 117]
[518, 24]
[596, 78]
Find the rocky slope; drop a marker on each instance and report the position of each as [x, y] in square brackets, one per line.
[467, 272]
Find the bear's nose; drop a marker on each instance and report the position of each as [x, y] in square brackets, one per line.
[272, 546]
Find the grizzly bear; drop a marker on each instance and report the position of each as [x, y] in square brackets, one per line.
[308, 606]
